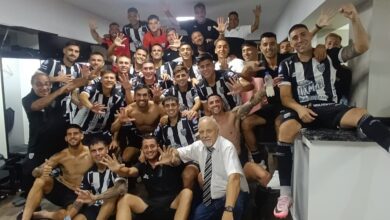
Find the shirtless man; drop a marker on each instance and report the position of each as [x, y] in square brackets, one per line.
[74, 161]
[144, 115]
[229, 124]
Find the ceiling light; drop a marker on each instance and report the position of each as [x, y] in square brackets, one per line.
[184, 18]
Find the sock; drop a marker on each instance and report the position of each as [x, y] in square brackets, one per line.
[375, 130]
[285, 191]
[259, 156]
[284, 156]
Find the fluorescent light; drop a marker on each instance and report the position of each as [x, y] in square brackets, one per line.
[184, 18]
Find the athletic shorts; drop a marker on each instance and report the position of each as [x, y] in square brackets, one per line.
[269, 112]
[329, 115]
[61, 195]
[130, 136]
[158, 208]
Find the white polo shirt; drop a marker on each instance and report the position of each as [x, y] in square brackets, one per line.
[224, 162]
[241, 31]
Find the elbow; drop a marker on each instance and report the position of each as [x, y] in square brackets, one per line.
[361, 48]
[235, 178]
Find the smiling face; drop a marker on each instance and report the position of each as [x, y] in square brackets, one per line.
[96, 61]
[268, 47]
[140, 56]
[148, 71]
[285, 47]
[197, 38]
[73, 137]
[171, 107]
[222, 48]
[71, 53]
[185, 52]
[150, 149]
[206, 68]
[233, 21]
[108, 80]
[142, 97]
[301, 40]
[332, 42]
[133, 18]
[249, 53]
[200, 14]
[41, 85]
[98, 151]
[208, 132]
[123, 64]
[154, 25]
[181, 78]
[114, 30]
[214, 104]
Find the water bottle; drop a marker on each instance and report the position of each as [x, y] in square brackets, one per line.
[269, 85]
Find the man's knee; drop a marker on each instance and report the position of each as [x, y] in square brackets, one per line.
[288, 130]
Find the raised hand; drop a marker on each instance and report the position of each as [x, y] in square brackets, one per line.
[320, 53]
[124, 81]
[222, 25]
[46, 169]
[124, 117]
[92, 24]
[112, 163]
[234, 86]
[98, 108]
[325, 17]
[114, 144]
[257, 10]
[176, 41]
[250, 68]
[156, 91]
[349, 11]
[166, 156]
[119, 40]
[190, 114]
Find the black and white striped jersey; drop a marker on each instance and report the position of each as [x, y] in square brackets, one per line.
[180, 135]
[98, 182]
[91, 122]
[220, 88]
[186, 99]
[312, 82]
[136, 36]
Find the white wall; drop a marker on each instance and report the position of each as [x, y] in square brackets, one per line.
[3, 141]
[52, 16]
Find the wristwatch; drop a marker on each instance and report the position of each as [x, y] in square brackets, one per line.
[229, 208]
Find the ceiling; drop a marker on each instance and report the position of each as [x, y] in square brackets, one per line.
[116, 10]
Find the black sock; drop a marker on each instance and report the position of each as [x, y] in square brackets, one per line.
[259, 156]
[375, 130]
[284, 156]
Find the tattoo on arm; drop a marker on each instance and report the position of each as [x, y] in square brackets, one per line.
[349, 52]
[119, 188]
[77, 205]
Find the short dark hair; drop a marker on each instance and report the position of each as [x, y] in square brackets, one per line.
[170, 98]
[113, 23]
[170, 29]
[296, 26]
[141, 86]
[268, 35]
[233, 13]
[76, 126]
[214, 94]
[116, 60]
[96, 140]
[153, 16]
[142, 48]
[249, 43]
[185, 43]
[157, 44]
[204, 57]
[148, 137]
[199, 5]
[102, 73]
[72, 43]
[132, 9]
[96, 53]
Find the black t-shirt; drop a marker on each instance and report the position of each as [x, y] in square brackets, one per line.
[274, 73]
[207, 28]
[160, 181]
[170, 55]
[46, 127]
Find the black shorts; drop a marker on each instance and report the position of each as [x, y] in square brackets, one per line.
[90, 212]
[61, 195]
[244, 157]
[158, 208]
[269, 112]
[329, 115]
[130, 136]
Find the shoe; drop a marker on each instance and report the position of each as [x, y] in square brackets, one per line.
[282, 208]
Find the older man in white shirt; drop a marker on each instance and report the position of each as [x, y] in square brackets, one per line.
[225, 189]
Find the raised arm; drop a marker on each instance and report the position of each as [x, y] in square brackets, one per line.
[47, 100]
[360, 42]
[95, 35]
[323, 20]
[256, 21]
[120, 169]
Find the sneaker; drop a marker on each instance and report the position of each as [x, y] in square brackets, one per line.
[282, 208]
